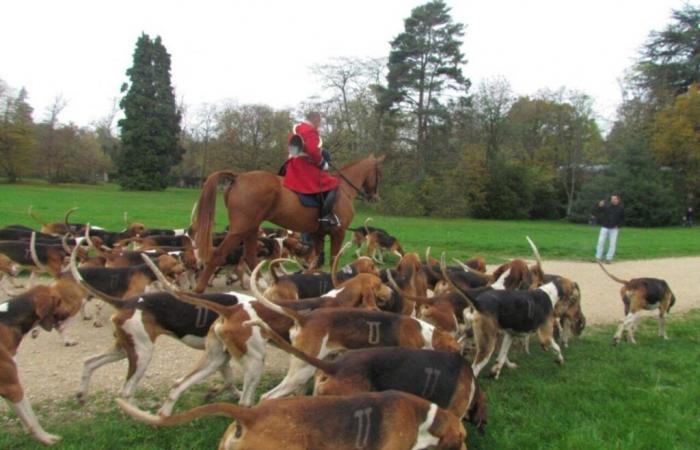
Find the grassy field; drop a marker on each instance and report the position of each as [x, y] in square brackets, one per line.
[496, 240]
[603, 397]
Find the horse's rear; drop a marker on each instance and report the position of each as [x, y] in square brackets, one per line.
[251, 198]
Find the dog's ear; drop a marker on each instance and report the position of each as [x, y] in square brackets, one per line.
[369, 299]
[449, 429]
[478, 410]
[45, 306]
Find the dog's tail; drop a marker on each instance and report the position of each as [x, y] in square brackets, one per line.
[36, 218]
[184, 297]
[273, 270]
[334, 267]
[112, 300]
[326, 366]
[613, 277]
[35, 257]
[538, 258]
[69, 230]
[429, 265]
[245, 416]
[414, 298]
[365, 225]
[448, 279]
[295, 316]
[275, 263]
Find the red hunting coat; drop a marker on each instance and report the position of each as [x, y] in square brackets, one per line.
[303, 172]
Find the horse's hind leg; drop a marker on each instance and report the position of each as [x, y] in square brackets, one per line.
[250, 249]
[217, 259]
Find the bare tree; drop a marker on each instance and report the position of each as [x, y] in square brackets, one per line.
[49, 150]
[493, 101]
[204, 130]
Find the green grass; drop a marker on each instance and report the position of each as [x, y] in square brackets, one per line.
[603, 397]
[630, 397]
[496, 240]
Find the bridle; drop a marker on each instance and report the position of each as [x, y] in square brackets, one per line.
[360, 191]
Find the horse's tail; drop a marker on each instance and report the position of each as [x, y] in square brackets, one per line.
[206, 208]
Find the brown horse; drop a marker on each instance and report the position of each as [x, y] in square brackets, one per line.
[253, 197]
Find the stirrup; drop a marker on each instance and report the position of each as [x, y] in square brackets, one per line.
[329, 221]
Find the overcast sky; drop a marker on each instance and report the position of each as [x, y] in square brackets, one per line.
[260, 51]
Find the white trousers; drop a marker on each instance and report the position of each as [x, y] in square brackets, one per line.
[606, 233]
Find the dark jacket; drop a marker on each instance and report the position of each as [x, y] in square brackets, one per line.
[611, 216]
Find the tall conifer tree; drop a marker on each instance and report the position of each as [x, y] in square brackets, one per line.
[150, 129]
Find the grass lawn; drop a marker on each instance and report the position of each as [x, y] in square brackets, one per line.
[603, 397]
[496, 240]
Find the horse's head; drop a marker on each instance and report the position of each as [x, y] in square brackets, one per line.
[370, 184]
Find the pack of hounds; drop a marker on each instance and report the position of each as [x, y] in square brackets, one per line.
[394, 354]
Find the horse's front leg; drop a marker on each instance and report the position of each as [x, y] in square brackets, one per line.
[319, 241]
[337, 238]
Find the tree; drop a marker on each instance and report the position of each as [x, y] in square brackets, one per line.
[109, 143]
[492, 103]
[577, 139]
[150, 129]
[353, 125]
[51, 156]
[675, 138]
[251, 137]
[17, 141]
[670, 60]
[424, 65]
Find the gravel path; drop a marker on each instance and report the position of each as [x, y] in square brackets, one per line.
[50, 370]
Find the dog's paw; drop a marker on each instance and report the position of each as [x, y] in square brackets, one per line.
[70, 343]
[35, 333]
[97, 324]
[212, 394]
[48, 439]
[87, 318]
[81, 398]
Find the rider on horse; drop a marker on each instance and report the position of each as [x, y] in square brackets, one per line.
[306, 170]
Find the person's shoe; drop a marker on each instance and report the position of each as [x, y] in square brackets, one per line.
[608, 261]
[598, 260]
[328, 222]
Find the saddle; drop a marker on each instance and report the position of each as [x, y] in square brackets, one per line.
[310, 200]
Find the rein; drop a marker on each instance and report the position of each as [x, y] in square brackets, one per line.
[360, 192]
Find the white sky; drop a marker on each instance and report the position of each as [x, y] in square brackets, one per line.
[260, 51]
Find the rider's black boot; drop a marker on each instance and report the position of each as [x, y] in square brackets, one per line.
[328, 219]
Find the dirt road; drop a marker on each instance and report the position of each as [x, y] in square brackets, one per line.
[50, 370]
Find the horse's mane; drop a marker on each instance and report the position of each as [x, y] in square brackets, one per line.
[353, 163]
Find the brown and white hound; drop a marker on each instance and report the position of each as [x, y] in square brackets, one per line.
[389, 420]
[642, 294]
[333, 329]
[229, 337]
[139, 321]
[512, 312]
[444, 378]
[43, 306]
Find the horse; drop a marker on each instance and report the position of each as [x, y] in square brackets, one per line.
[255, 196]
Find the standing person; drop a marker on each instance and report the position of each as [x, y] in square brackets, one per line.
[611, 216]
[688, 219]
